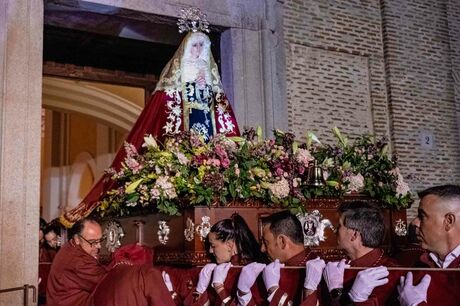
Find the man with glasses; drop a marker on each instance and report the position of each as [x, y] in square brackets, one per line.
[75, 271]
[360, 232]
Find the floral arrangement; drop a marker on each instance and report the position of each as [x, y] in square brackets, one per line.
[186, 171]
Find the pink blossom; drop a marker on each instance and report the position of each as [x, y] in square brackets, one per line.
[279, 172]
[183, 160]
[130, 150]
[220, 151]
[304, 157]
[133, 165]
[155, 193]
[225, 163]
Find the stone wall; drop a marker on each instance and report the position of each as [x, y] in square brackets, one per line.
[408, 51]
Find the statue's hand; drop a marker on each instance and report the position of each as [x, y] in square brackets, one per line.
[200, 79]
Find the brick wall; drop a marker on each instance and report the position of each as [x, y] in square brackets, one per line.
[409, 48]
[421, 92]
[335, 67]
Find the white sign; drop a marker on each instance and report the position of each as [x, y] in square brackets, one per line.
[427, 139]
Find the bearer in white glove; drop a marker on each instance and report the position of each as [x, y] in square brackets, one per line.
[246, 280]
[410, 295]
[366, 281]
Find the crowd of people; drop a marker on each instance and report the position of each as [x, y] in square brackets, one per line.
[77, 277]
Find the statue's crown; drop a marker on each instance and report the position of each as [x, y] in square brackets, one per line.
[192, 19]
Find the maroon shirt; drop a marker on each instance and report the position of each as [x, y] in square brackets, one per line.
[381, 294]
[291, 281]
[73, 277]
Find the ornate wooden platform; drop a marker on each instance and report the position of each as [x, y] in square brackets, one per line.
[180, 239]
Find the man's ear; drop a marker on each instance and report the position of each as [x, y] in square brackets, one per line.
[449, 221]
[75, 240]
[355, 236]
[282, 241]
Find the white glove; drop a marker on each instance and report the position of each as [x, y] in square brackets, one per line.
[272, 274]
[249, 275]
[313, 272]
[410, 295]
[167, 281]
[366, 281]
[220, 273]
[205, 277]
[333, 274]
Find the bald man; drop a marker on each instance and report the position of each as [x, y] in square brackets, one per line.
[438, 229]
[76, 272]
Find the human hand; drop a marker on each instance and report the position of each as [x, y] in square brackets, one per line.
[272, 274]
[333, 274]
[220, 273]
[167, 281]
[410, 295]
[205, 277]
[249, 275]
[313, 272]
[366, 281]
[200, 79]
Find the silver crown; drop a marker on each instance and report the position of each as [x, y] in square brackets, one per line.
[192, 19]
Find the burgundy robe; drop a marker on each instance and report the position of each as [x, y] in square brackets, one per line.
[73, 277]
[291, 282]
[445, 289]
[152, 120]
[128, 285]
[381, 294]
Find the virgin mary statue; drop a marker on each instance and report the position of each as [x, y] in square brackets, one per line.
[188, 96]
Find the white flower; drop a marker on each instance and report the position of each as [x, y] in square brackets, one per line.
[280, 189]
[149, 142]
[356, 182]
[164, 183]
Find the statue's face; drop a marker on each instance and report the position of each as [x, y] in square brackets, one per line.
[196, 49]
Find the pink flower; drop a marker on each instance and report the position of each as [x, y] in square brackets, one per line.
[279, 172]
[133, 165]
[356, 182]
[304, 157]
[225, 163]
[130, 150]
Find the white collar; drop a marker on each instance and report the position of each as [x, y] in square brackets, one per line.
[449, 258]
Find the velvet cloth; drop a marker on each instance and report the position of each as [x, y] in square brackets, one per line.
[73, 277]
[128, 285]
[179, 103]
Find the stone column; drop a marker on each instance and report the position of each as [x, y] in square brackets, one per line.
[21, 41]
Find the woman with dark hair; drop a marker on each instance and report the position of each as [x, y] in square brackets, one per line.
[231, 242]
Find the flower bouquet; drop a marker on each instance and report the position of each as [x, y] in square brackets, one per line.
[186, 171]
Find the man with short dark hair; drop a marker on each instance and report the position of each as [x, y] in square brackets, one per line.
[75, 271]
[360, 233]
[283, 241]
[438, 229]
